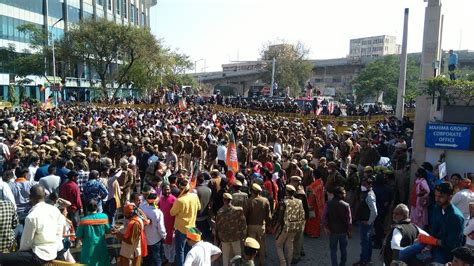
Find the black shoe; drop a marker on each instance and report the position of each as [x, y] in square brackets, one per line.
[303, 254]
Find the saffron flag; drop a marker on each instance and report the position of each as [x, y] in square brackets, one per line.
[231, 156]
[194, 174]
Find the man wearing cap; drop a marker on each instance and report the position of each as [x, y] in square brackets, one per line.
[230, 229]
[345, 149]
[126, 179]
[368, 155]
[335, 179]
[188, 147]
[352, 185]
[298, 249]
[366, 214]
[399, 161]
[202, 253]
[258, 214]
[185, 210]
[251, 248]
[239, 198]
[288, 221]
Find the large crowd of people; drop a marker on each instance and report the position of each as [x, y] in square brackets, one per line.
[161, 182]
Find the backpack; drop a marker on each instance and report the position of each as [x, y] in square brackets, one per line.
[294, 216]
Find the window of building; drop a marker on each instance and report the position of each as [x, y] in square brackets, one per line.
[118, 6]
[109, 4]
[124, 10]
[318, 80]
[55, 8]
[143, 19]
[33, 6]
[336, 79]
[136, 16]
[32, 92]
[132, 12]
[73, 14]
[100, 2]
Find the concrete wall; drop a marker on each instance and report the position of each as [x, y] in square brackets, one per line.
[456, 161]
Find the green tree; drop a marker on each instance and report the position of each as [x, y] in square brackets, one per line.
[292, 67]
[111, 50]
[382, 75]
[12, 94]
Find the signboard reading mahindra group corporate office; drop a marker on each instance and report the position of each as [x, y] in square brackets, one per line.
[449, 136]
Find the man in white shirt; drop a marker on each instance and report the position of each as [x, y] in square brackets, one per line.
[6, 192]
[221, 155]
[201, 253]
[43, 229]
[155, 231]
[50, 182]
[402, 235]
[463, 198]
[277, 149]
[33, 168]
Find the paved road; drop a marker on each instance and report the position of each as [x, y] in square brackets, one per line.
[316, 249]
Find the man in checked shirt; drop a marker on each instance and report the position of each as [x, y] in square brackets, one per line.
[8, 221]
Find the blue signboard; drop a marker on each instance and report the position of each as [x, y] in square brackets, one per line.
[448, 136]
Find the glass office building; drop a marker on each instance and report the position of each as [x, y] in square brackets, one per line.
[44, 13]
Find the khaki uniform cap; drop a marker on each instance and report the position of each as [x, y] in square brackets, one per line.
[368, 169]
[251, 243]
[290, 188]
[295, 178]
[227, 196]
[237, 183]
[256, 187]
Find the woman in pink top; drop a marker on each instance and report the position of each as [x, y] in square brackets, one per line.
[166, 202]
[420, 199]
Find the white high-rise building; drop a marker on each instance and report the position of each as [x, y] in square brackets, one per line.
[373, 46]
[44, 13]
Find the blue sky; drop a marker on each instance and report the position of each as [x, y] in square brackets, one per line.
[221, 31]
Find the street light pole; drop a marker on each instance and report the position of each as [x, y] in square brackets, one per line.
[195, 63]
[54, 59]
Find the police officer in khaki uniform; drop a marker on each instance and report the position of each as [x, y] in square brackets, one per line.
[251, 247]
[258, 214]
[230, 228]
[300, 194]
[289, 221]
[239, 198]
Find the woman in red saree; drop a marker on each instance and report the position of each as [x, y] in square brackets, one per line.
[315, 194]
